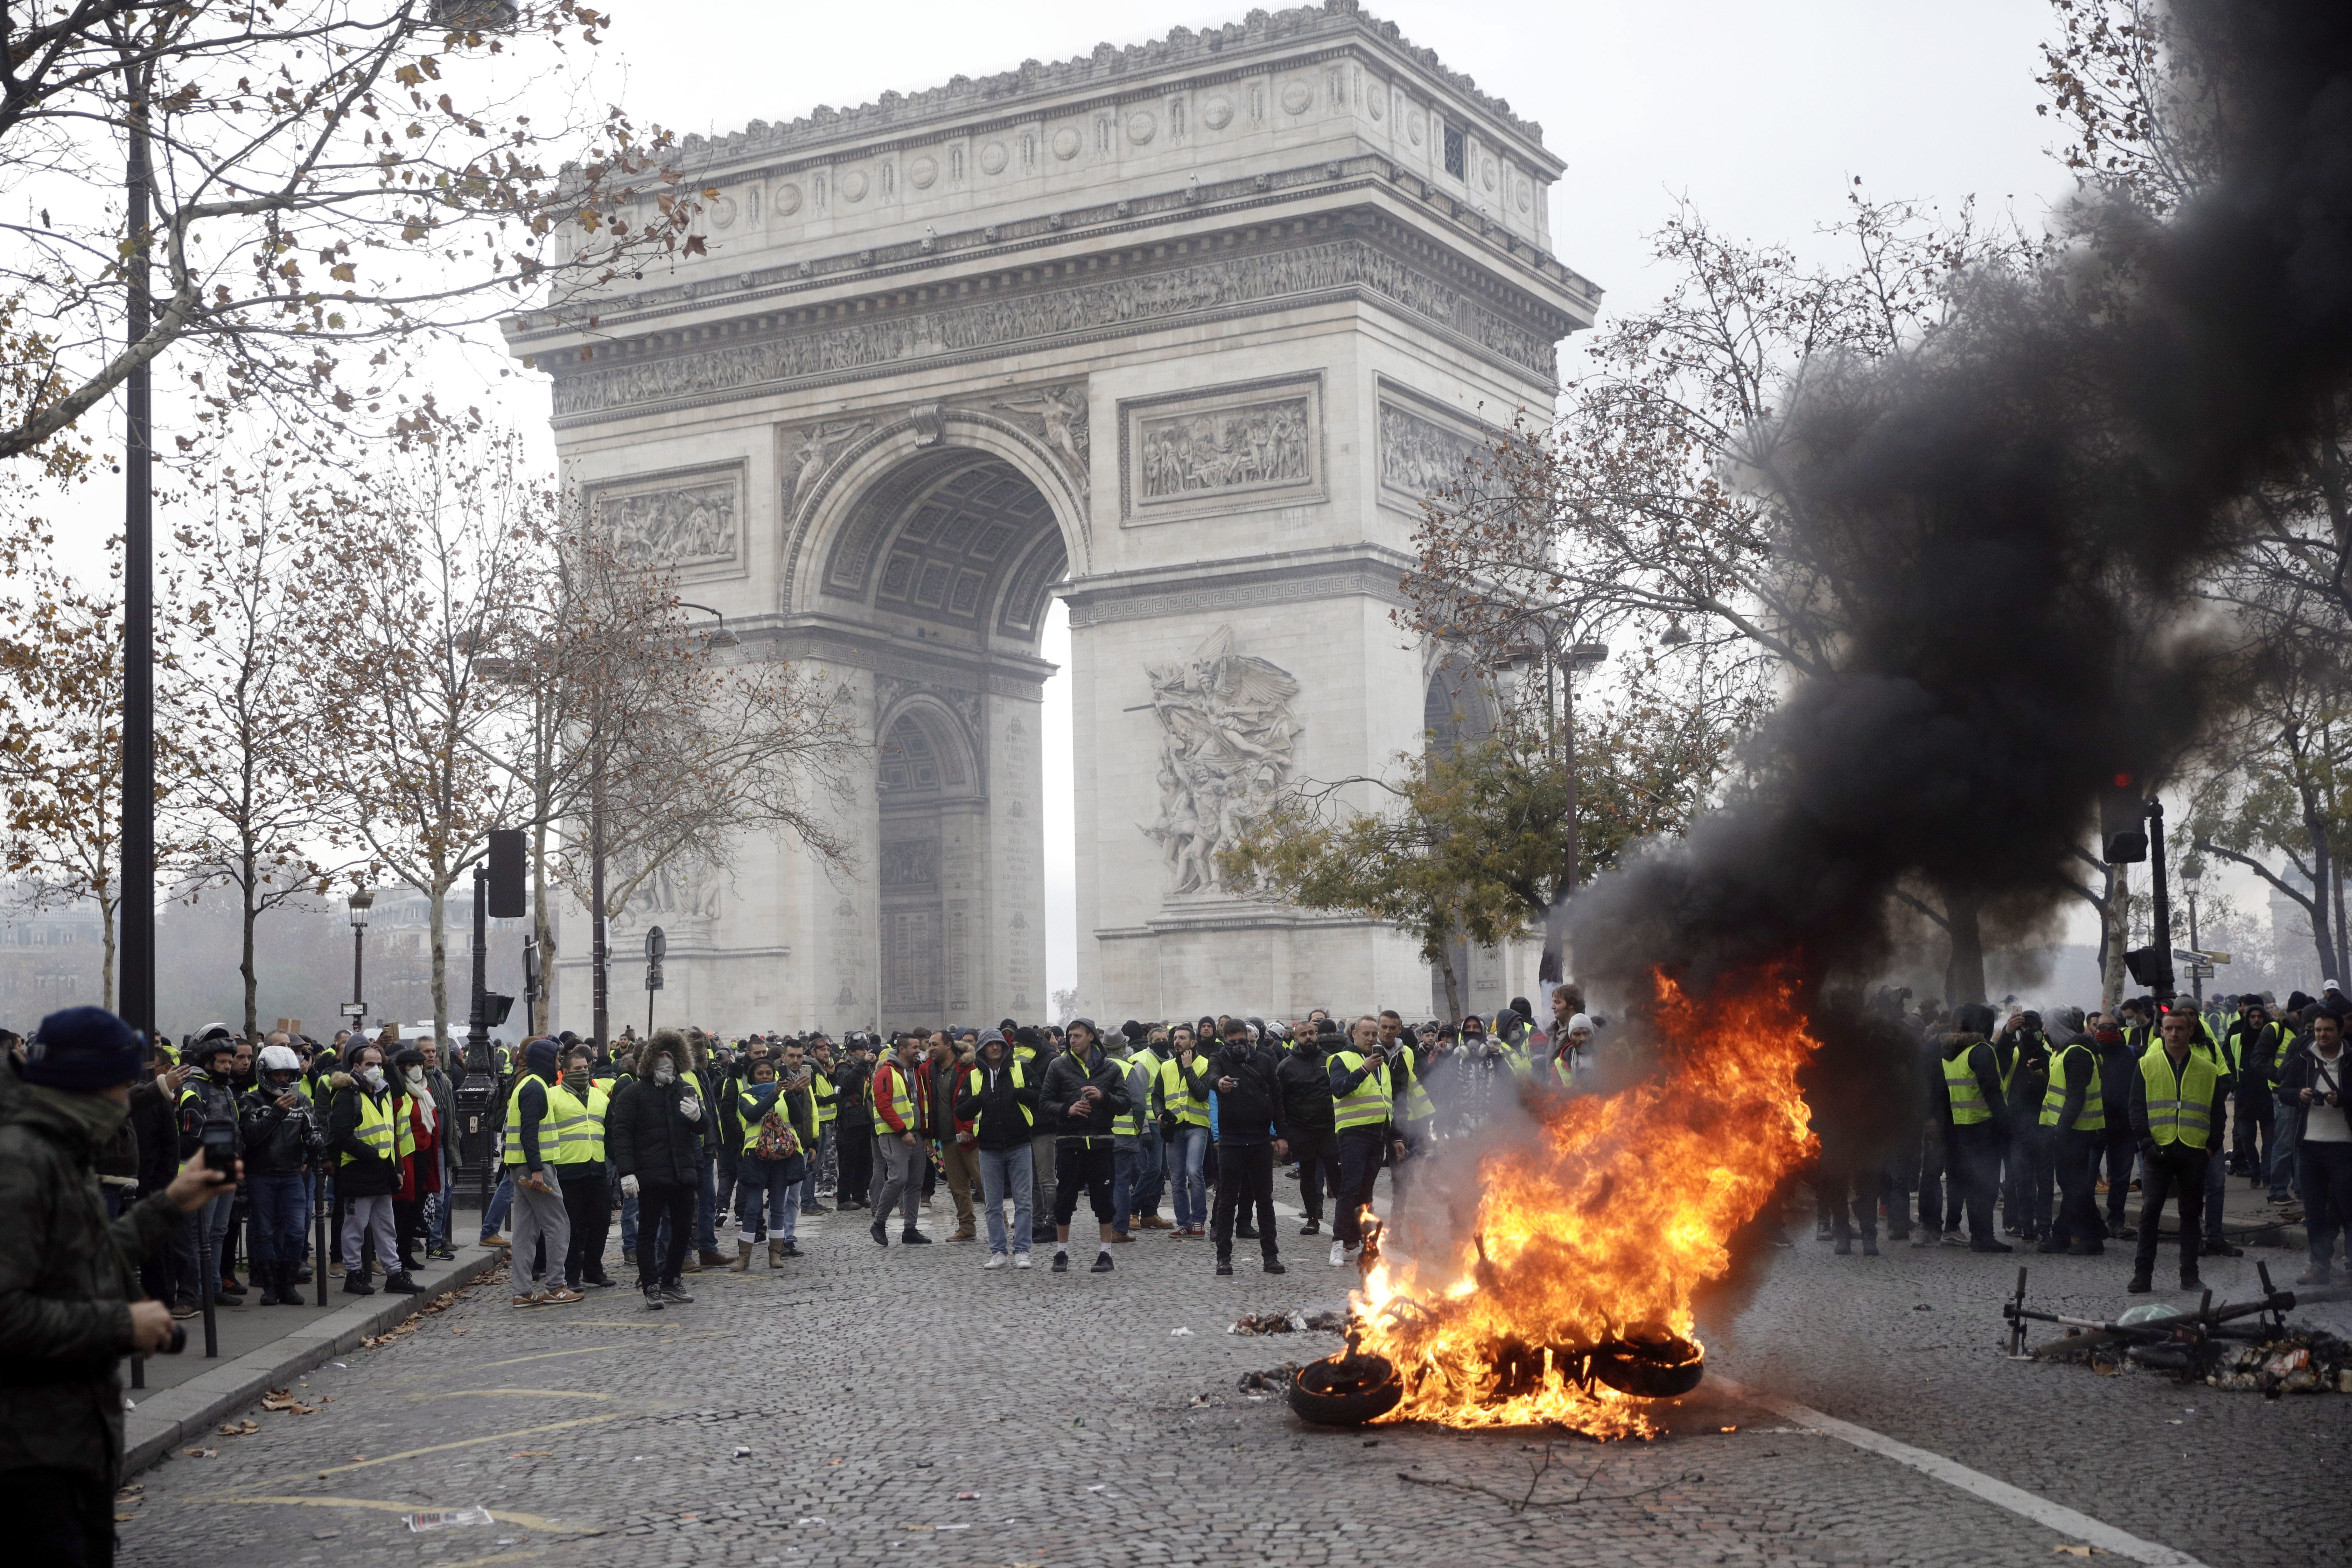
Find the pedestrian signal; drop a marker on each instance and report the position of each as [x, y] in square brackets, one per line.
[2122, 822]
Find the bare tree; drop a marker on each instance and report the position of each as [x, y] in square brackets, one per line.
[324, 176]
[249, 711]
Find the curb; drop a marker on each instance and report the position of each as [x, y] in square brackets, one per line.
[171, 1416]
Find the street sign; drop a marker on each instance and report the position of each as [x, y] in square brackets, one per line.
[657, 945]
[354, 1009]
[2201, 972]
[2216, 958]
[2189, 955]
[654, 976]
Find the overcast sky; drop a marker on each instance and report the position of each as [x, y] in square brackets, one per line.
[1762, 115]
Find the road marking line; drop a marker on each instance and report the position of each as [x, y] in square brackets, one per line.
[467, 1443]
[527, 1521]
[2000, 1494]
[510, 1394]
[593, 1349]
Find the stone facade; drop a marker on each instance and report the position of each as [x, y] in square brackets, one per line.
[1180, 334]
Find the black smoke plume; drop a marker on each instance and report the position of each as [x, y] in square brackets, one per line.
[2006, 526]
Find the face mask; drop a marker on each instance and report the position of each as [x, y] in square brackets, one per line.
[372, 1077]
[416, 1079]
[665, 1074]
[577, 1078]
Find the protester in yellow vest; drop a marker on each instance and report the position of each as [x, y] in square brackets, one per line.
[2175, 1109]
[1363, 1107]
[827, 1096]
[2073, 1122]
[1000, 1100]
[368, 1141]
[579, 1104]
[1183, 1095]
[536, 1131]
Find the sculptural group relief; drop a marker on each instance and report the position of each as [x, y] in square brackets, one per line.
[1248, 446]
[1227, 734]
[1419, 457]
[1140, 302]
[688, 525]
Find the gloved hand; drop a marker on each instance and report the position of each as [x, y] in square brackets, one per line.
[689, 1108]
[628, 1186]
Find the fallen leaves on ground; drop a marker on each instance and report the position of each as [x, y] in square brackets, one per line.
[283, 1399]
[244, 1429]
[202, 1453]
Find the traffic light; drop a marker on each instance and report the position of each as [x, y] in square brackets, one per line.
[2147, 964]
[2122, 822]
[507, 874]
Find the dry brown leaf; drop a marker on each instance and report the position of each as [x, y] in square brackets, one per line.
[533, 1454]
[202, 1453]
[244, 1429]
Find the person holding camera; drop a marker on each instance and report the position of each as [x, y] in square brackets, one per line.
[1304, 1078]
[1362, 1108]
[208, 1111]
[1252, 1134]
[70, 1306]
[282, 1144]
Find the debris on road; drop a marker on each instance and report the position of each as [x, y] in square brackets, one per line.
[447, 1519]
[1274, 1380]
[1180, 1334]
[2230, 1346]
[283, 1399]
[244, 1429]
[1268, 1324]
[202, 1453]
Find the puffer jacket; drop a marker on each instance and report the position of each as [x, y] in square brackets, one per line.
[67, 1281]
[649, 1138]
[1064, 1077]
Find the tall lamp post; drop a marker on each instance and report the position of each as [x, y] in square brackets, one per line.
[361, 902]
[1560, 660]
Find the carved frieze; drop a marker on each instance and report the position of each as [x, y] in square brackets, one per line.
[1058, 416]
[910, 863]
[1240, 447]
[1136, 302]
[690, 519]
[808, 453]
[1421, 458]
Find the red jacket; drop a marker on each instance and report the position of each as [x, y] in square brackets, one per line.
[420, 1172]
[885, 1092]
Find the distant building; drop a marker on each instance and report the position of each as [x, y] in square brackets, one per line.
[51, 959]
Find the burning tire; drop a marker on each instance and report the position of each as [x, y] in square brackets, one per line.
[1650, 1369]
[1345, 1390]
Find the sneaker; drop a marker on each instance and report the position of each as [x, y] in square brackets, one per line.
[494, 1242]
[676, 1293]
[815, 1208]
[2124, 1232]
[653, 1298]
[531, 1299]
[1955, 1238]
[1312, 1228]
[1338, 1255]
[910, 1236]
[1844, 1248]
[1355, 1252]
[1225, 1266]
[184, 1309]
[1020, 1260]
[1274, 1266]
[1102, 1263]
[1928, 1239]
[564, 1296]
[2313, 1277]
[602, 1281]
[2221, 1249]
[792, 1249]
[629, 1257]
[403, 1284]
[995, 1260]
[1061, 1263]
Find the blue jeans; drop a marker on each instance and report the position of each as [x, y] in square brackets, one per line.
[1006, 1173]
[1191, 1147]
[757, 1185]
[494, 1218]
[706, 1211]
[281, 1216]
[628, 1221]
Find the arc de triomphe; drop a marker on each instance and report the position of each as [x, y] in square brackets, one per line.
[1180, 334]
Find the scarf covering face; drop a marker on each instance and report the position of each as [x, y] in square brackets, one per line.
[97, 1116]
[421, 1095]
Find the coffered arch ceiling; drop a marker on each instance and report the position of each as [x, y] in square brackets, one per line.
[955, 537]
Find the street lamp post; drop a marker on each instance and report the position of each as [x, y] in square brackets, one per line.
[361, 902]
[2192, 877]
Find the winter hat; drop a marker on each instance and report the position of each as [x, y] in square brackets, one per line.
[83, 1050]
[540, 1055]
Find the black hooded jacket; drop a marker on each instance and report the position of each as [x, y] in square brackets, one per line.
[1304, 1078]
[644, 1131]
[1065, 1076]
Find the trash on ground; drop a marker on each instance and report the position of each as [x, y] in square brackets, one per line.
[202, 1453]
[447, 1519]
[1180, 1334]
[741, 1452]
[1272, 1380]
[1327, 1322]
[1268, 1323]
[283, 1399]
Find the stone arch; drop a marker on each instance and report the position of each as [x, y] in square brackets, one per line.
[839, 523]
[931, 805]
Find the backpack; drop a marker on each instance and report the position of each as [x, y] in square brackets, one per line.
[778, 1138]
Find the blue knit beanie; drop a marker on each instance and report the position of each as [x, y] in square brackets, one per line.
[82, 1050]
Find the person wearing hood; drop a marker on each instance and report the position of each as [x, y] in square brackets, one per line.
[655, 1131]
[208, 1096]
[1252, 1134]
[1000, 1103]
[70, 1306]
[1974, 1104]
[367, 1140]
[282, 1144]
[535, 1138]
[1304, 1079]
[1084, 1095]
[1573, 1054]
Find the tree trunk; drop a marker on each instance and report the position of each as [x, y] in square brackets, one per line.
[244, 968]
[2335, 883]
[2114, 936]
[1964, 979]
[437, 903]
[541, 929]
[112, 911]
[2323, 874]
[1453, 983]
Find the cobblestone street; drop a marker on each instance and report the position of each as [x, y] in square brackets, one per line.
[863, 1407]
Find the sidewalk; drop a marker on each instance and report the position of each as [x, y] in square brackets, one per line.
[264, 1348]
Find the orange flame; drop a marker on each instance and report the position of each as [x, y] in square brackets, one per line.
[1603, 1226]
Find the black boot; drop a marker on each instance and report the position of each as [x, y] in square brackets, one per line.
[356, 1284]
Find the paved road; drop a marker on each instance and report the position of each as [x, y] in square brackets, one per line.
[873, 1389]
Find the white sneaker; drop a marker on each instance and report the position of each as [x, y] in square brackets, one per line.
[1338, 1255]
[1020, 1260]
[995, 1260]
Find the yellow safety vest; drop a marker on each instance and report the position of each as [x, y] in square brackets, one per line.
[1191, 1109]
[560, 1126]
[2180, 1105]
[579, 1124]
[2062, 1077]
[751, 1113]
[1143, 1066]
[828, 1093]
[385, 1134]
[1412, 1100]
[1968, 1107]
[902, 1100]
[1368, 1104]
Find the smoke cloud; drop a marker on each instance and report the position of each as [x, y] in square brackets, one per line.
[2005, 527]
